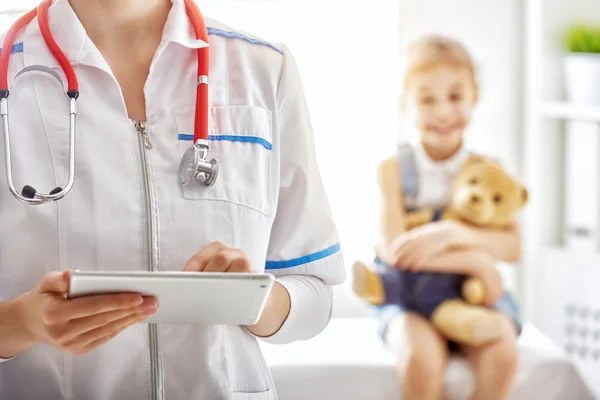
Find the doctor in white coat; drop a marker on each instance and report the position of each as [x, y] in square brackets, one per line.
[136, 64]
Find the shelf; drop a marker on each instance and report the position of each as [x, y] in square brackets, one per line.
[560, 110]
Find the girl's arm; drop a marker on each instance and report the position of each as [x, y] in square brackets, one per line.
[458, 261]
[470, 262]
[423, 244]
[503, 245]
[392, 217]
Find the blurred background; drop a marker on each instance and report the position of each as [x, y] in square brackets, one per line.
[539, 114]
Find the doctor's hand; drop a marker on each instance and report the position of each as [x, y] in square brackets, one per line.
[217, 257]
[79, 325]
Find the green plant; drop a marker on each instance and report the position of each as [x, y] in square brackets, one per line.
[582, 38]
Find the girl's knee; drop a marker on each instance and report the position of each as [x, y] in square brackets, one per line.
[425, 366]
[422, 376]
[422, 354]
[506, 355]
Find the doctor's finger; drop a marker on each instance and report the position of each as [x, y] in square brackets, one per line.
[65, 310]
[82, 342]
[91, 346]
[97, 343]
[55, 282]
[210, 250]
[83, 325]
[241, 264]
[223, 260]
[198, 262]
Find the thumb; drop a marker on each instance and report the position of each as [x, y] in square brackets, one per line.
[383, 254]
[56, 282]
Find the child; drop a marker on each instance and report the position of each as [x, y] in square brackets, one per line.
[440, 92]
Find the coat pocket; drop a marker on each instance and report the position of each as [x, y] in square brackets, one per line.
[240, 138]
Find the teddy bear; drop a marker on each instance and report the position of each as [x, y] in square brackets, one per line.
[484, 195]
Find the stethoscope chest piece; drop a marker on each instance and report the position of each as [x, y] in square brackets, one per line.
[196, 166]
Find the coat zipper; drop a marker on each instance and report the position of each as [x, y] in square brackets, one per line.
[155, 366]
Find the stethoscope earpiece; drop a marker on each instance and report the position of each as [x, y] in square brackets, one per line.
[28, 192]
[31, 193]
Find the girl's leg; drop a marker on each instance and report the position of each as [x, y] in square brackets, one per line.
[495, 365]
[422, 356]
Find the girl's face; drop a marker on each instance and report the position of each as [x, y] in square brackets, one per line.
[441, 100]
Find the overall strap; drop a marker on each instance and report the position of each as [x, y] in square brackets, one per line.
[410, 177]
[437, 214]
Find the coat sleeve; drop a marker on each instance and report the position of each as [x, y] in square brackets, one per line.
[304, 251]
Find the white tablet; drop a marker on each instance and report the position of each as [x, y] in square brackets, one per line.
[185, 297]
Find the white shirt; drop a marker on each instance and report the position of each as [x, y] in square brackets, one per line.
[435, 178]
[268, 200]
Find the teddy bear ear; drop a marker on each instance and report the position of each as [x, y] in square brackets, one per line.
[524, 195]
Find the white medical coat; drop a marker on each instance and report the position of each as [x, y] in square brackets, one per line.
[126, 214]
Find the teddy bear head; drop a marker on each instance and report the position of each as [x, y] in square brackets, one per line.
[484, 194]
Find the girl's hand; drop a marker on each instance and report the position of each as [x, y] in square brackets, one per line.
[419, 246]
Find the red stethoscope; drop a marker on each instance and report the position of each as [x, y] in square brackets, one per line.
[194, 164]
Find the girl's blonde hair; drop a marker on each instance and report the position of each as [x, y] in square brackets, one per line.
[433, 50]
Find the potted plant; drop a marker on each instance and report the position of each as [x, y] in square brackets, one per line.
[582, 63]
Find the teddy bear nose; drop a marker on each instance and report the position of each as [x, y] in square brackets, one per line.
[475, 199]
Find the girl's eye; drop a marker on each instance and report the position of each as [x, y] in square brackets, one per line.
[456, 97]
